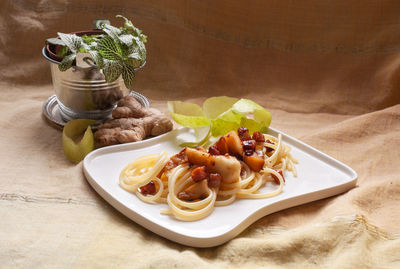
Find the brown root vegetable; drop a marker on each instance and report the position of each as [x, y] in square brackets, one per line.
[129, 107]
[132, 122]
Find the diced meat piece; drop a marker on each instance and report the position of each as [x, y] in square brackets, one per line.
[234, 143]
[213, 150]
[214, 180]
[149, 188]
[196, 191]
[222, 146]
[199, 173]
[170, 165]
[258, 137]
[180, 158]
[249, 145]
[276, 178]
[244, 134]
[174, 161]
[227, 166]
[197, 157]
[255, 162]
[268, 149]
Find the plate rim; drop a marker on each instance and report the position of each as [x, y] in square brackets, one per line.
[201, 241]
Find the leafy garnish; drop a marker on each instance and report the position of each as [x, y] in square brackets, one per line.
[222, 114]
[117, 52]
[215, 106]
[76, 146]
[188, 114]
[62, 52]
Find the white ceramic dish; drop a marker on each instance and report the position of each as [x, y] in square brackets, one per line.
[319, 176]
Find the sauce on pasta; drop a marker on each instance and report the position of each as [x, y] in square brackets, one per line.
[194, 181]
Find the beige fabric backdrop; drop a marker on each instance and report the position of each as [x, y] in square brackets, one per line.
[327, 70]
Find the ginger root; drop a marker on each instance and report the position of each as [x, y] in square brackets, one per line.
[132, 122]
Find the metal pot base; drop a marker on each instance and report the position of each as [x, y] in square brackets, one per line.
[58, 115]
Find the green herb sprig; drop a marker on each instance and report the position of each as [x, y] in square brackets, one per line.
[119, 51]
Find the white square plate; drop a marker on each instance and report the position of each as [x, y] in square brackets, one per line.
[319, 176]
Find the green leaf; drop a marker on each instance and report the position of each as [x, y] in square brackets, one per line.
[89, 39]
[128, 24]
[97, 58]
[260, 114]
[185, 108]
[127, 40]
[190, 121]
[63, 51]
[187, 114]
[143, 38]
[90, 42]
[215, 106]
[128, 75]
[251, 124]
[227, 121]
[142, 50]
[112, 70]
[246, 106]
[139, 48]
[264, 117]
[109, 50]
[84, 49]
[76, 147]
[72, 41]
[135, 60]
[55, 41]
[67, 62]
[112, 32]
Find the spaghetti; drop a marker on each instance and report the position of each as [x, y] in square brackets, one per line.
[194, 181]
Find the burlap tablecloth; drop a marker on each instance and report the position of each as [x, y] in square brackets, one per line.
[327, 70]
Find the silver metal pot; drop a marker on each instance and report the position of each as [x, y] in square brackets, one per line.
[82, 92]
